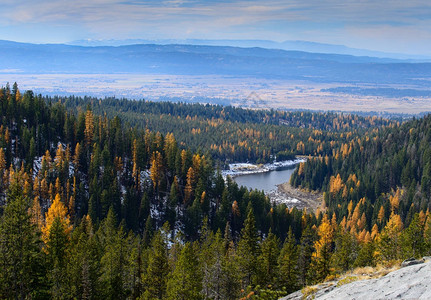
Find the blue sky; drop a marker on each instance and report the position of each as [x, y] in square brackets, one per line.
[392, 26]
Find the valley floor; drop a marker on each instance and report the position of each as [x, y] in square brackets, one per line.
[240, 91]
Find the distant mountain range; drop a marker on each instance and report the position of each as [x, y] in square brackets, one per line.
[179, 59]
[286, 45]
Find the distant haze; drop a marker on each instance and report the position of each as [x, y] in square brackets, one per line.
[286, 45]
[397, 26]
[248, 77]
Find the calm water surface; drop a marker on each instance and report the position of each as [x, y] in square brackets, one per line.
[266, 181]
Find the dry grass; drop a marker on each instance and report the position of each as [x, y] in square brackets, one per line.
[375, 272]
[362, 273]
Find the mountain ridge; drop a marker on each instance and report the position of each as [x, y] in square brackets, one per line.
[209, 60]
[294, 45]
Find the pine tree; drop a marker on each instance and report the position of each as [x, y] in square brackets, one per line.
[248, 250]
[113, 260]
[56, 245]
[155, 279]
[366, 255]
[413, 243]
[270, 250]
[211, 256]
[389, 242]
[345, 251]
[288, 264]
[21, 259]
[231, 275]
[83, 262]
[186, 280]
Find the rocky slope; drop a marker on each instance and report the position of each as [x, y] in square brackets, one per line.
[411, 282]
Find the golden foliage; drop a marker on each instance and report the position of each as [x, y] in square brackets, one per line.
[56, 210]
[335, 184]
[325, 234]
[89, 127]
[35, 212]
[381, 215]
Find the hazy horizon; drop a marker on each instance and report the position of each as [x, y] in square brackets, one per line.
[387, 26]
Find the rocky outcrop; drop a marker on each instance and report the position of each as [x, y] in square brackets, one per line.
[410, 282]
[411, 261]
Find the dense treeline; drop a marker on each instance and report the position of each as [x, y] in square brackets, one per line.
[94, 209]
[60, 170]
[94, 163]
[234, 134]
[390, 171]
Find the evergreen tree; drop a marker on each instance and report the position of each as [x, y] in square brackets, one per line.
[306, 249]
[83, 262]
[412, 239]
[288, 264]
[185, 282]
[270, 250]
[345, 251]
[21, 259]
[248, 250]
[155, 279]
[113, 261]
[57, 245]
[366, 255]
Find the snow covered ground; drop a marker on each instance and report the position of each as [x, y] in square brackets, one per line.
[239, 169]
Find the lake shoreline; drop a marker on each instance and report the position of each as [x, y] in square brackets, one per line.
[308, 199]
[240, 169]
[282, 193]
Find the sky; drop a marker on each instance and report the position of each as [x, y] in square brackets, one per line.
[399, 26]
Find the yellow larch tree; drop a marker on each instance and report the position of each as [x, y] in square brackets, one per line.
[374, 232]
[335, 184]
[395, 200]
[89, 128]
[381, 214]
[190, 182]
[75, 158]
[389, 239]
[322, 255]
[35, 212]
[59, 157]
[56, 210]
[2, 161]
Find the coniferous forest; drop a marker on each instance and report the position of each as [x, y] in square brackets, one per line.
[120, 199]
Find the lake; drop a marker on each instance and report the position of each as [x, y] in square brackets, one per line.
[266, 181]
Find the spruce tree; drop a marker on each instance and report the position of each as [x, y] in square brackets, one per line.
[155, 278]
[268, 259]
[21, 259]
[185, 282]
[249, 250]
[288, 264]
[113, 261]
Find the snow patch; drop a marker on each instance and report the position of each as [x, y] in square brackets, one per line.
[239, 169]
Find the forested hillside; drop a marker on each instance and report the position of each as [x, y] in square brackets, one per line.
[94, 208]
[235, 134]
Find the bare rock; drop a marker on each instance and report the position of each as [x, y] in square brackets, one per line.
[410, 282]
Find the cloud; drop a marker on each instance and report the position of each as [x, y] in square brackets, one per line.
[271, 19]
